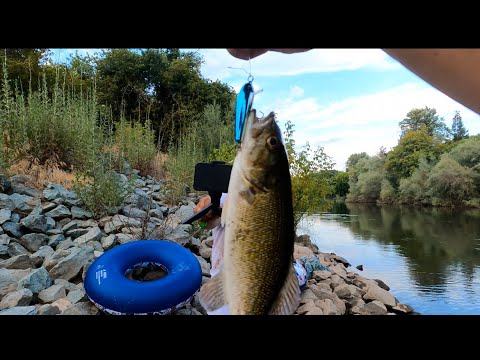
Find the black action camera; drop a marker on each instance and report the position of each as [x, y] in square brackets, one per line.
[213, 177]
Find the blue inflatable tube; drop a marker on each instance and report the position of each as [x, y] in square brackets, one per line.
[108, 288]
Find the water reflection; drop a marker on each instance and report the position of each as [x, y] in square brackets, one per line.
[439, 249]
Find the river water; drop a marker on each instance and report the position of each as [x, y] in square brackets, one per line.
[429, 257]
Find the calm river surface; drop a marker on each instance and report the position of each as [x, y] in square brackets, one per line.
[430, 258]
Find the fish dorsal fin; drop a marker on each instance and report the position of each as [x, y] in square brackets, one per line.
[288, 299]
[211, 294]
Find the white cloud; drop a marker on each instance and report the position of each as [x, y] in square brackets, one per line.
[366, 122]
[296, 91]
[218, 61]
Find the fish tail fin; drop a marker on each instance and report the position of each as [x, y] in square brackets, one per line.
[288, 299]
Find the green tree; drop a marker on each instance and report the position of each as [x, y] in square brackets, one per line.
[353, 159]
[450, 183]
[428, 117]
[309, 191]
[24, 66]
[458, 130]
[404, 158]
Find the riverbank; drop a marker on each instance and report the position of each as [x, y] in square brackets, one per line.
[48, 241]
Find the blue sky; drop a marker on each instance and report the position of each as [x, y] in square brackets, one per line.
[345, 100]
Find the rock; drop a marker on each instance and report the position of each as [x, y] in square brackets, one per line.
[22, 261]
[44, 251]
[3, 251]
[77, 296]
[119, 221]
[97, 254]
[308, 306]
[205, 265]
[79, 213]
[345, 291]
[184, 212]
[16, 298]
[328, 306]
[48, 309]
[51, 294]
[336, 280]
[54, 240]
[19, 274]
[306, 295]
[8, 282]
[360, 267]
[183, 312]
[140, 199]
[66, 284]
[363, 283]
[94, 234]
[5, 184]
[209, 241]
[5, 215]
[64, 193]
[377, 293]
[315, 311]
[172, 221]
[300, 251]
[36, 281]
[61, 211]
[25, 190]
[81, 308]
[20, 310]
[75, 233]
[6, 202]
[12, 229]
[109, 241]
[66, 244]
[51, 194]
[103, 221]
[15, 248]
[24, 203]
[46, 208]
[134, 212]
[371, 308]
[33, 241]
[340, 305]
[35, 223]
[62, 304]
[402, 308]
[356, 302]
[4, 239]
[382, 284]
[70, 266]
[340, 259]
[339, 270]
[179, 234]
[70, 226]
[54, 231]
[321, 275]
[89, 223]
[124, 238]
[205, 251]
[85, 268]
[157, 213]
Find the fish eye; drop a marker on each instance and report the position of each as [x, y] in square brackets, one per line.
[272, 141]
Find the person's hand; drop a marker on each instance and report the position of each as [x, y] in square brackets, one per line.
[246, 54]
[209, 218]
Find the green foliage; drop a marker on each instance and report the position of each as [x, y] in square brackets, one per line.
[309, 191]
[62, 128]
[200, 142]
[450, 183]
[416, 118]
[413, 190]
[458, 130]
[404, 158]
[387, 192]
[226, 153]
[467, 152]
[353, 160]
[100, 190]
[135, 143]
[365, 178]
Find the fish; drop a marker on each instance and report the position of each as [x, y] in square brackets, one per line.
[257, 276]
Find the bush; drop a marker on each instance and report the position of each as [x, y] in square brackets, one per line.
[387, 192]
[450, 183]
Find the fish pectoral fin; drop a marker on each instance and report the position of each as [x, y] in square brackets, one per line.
[288, 299]
[211, 293]
[248, 195]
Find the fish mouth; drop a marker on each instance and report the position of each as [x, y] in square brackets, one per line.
[261, 124]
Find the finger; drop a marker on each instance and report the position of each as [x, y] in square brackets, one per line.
[246, 54]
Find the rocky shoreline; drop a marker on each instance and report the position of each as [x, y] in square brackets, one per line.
[48, 241]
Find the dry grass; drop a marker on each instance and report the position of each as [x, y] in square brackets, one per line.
[50, 171]
[157, 166]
